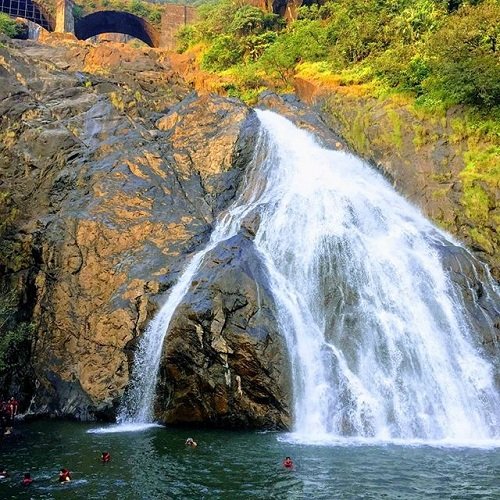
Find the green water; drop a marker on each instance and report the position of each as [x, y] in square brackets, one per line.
[236, 465]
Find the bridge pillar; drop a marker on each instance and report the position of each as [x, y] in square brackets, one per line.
[65, 21]
[173, 18]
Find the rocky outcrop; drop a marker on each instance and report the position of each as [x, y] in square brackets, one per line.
[224, 363]
[113, 177]
[438, 162]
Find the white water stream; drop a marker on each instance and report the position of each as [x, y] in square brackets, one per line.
[379, 341]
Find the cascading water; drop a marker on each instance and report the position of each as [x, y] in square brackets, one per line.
[33, 30]
[379, 339]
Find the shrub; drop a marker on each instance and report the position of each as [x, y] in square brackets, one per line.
[186, 37]
[8, 26]
[15, 336]
[225, 52]
[463, 57]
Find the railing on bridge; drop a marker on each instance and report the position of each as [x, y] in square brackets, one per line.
[25, 9]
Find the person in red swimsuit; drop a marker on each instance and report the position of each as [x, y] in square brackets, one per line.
[27, 480]
[64, 475]
[105, 457]
[287, 463]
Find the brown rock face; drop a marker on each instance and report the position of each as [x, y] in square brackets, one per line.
[106, 198]
[112, 176]
[224, 362]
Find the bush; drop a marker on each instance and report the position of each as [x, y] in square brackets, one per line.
[186, 37]
[8, 26]
[256, 45]
[155, 16]
[138, 8]
[15, 336]
[463, 57]
[224, 53]
[247, 20]
[403, 68]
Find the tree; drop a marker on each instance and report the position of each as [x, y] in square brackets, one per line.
[464, 57]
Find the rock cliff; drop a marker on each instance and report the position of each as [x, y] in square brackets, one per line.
[112, 175]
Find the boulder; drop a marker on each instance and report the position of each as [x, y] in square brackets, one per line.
[224, 362]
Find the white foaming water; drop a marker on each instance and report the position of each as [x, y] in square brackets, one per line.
[378, 338]
[126, 427]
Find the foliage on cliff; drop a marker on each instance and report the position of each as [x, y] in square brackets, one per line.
[7, 25]
[441, 52]
[434, 63]
[15, 339]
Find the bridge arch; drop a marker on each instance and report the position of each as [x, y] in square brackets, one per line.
[113, 21]
[27, 9]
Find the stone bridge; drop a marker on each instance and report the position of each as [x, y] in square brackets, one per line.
[154, 24]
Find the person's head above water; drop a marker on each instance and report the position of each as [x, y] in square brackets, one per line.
[64, 475]
[27, 479]
[191, 442]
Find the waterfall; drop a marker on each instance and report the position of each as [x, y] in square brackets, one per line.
[137, 405]
[379, 339]
[33, 30]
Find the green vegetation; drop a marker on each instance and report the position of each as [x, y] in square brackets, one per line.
[481, 182]
[440, 53]
[8, 26]
[15, 335]
[438, 60]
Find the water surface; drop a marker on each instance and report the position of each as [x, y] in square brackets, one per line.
[155, 463]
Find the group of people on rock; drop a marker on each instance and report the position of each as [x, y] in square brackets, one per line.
[8, 412]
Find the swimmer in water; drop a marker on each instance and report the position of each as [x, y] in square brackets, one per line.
[27, 480]
[64, 476]
[105, 457]
[287, 463]
[191, 442]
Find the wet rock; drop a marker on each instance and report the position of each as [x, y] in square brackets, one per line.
[224, 361]
[478, 298]
[101, 208]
